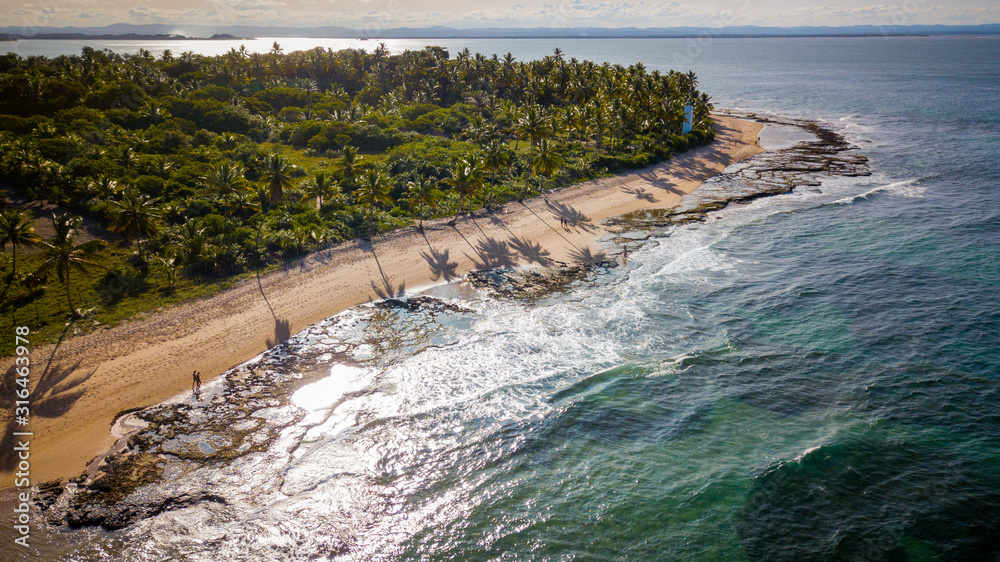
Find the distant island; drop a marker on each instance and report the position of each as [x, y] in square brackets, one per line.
[131, 37]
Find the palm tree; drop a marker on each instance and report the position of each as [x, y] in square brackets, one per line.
[227, 180]
[278, 175]
[136, 217]
[167, 263]
[15, 228]
[321, 186]
[65, 255]
[466, 178]
[309, 86]
[302, 234]
[547, 162]
[497, 158]
[532, 125]
[348, 164]
[691, 82]
[246, 201]
[161, 165]
[104, 187]
[422, 195]
[127, 157]
[374, 189]
[703, 107]
[192, 239]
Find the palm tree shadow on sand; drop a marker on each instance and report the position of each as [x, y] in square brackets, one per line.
[384, 288]
[282, 326]
[531, 252]
[571, 215]
[493, 254]
[440, 265]
[640, 193]
[282, 331]
[439, 262]
[53, 396]
[585, 256]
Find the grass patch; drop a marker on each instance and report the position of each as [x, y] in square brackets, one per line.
[299, 157]
[105, 298]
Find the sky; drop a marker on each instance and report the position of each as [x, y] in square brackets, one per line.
[497, 13]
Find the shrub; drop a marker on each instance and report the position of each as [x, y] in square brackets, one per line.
[280, 98]
[416, 110]
[150, 185]
[118, 94]
[214, 92]
[19, 125]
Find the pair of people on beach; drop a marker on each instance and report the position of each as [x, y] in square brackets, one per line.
[196, 382]
[565, 222]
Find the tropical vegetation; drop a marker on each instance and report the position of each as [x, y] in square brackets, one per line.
[194, 170]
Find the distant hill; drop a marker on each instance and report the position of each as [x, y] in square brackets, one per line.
[123, 30]
[131, 36]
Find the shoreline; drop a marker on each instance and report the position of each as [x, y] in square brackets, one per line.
[149, 359]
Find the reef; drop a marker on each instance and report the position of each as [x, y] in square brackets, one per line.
[767, 174]
[533, 284]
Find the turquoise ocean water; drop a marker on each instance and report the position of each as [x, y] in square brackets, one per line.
[809, 376]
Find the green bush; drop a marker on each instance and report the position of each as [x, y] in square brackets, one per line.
[280, 98]
[118, 94]
[150, 185]
[19, 125]
[213, 92]
[59, 149]
[416, 110]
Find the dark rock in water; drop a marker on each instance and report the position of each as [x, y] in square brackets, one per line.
[397, 303]
[129, 486]
[87, 515]
[105, 496]
[48, 493]
[124, 513]
[489, 278]
[532, 284]
[413, 304]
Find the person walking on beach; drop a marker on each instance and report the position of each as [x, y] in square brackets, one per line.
[196, 382]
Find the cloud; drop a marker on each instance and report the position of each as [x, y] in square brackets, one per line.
[909, 12]
[247, 5]
[138, 13]
[91, 14]
[577, 13]
[518, 13]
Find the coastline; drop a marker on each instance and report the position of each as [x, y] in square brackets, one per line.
[149, 359]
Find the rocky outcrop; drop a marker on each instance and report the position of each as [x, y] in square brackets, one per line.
[768, 174]
[532, 284]
[122, 514]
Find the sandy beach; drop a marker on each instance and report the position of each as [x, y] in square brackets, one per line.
[147, 360]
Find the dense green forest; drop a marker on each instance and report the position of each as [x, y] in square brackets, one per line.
[161, 179]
